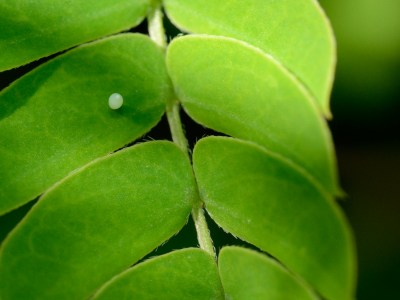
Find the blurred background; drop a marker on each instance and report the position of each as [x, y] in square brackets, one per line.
[366, 130]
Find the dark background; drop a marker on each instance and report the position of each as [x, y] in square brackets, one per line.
[366, 130]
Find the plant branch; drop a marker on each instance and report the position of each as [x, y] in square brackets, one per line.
[203, 233]
[157, 34]
[175, 125]
[178, 136]
[156, 27]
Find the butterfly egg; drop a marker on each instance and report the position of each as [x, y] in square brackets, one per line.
[115, 101]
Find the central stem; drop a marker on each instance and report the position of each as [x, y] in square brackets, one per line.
[157, 34]
[178, 136]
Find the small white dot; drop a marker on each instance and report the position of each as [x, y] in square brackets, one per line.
[115, 101]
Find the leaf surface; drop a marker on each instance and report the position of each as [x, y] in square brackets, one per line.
[236, 89]
[56, 118]
[269, 202]
[248, 275]
[31, 29]
[295, 32]
[182, 274]
[97, 222]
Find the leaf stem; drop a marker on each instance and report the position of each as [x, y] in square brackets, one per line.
[203, 233]
[179, 138]
[155, 25]
[175, 125]
[157, 34]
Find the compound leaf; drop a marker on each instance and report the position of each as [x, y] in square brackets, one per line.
[182, 274]
[295, 32]
[31, 29]
[271, 203]
[249, 275]
[56, 118]
[97, 222]
[236, 89]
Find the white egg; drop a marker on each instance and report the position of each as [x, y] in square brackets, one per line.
[115, 101]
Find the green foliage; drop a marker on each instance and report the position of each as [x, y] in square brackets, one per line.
[97, 222]
[261, 102]
[182, 274]
[52, 120]
[295, 33]
[31, 29]
[305, 229]
[260, 72]
[253, 270]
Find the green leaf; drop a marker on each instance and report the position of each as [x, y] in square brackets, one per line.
[247, 275]
[294, 32]
[271, 203]
[32, 29]
[236, 89]
[182, 274]
[56, 118]
[97, 222]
